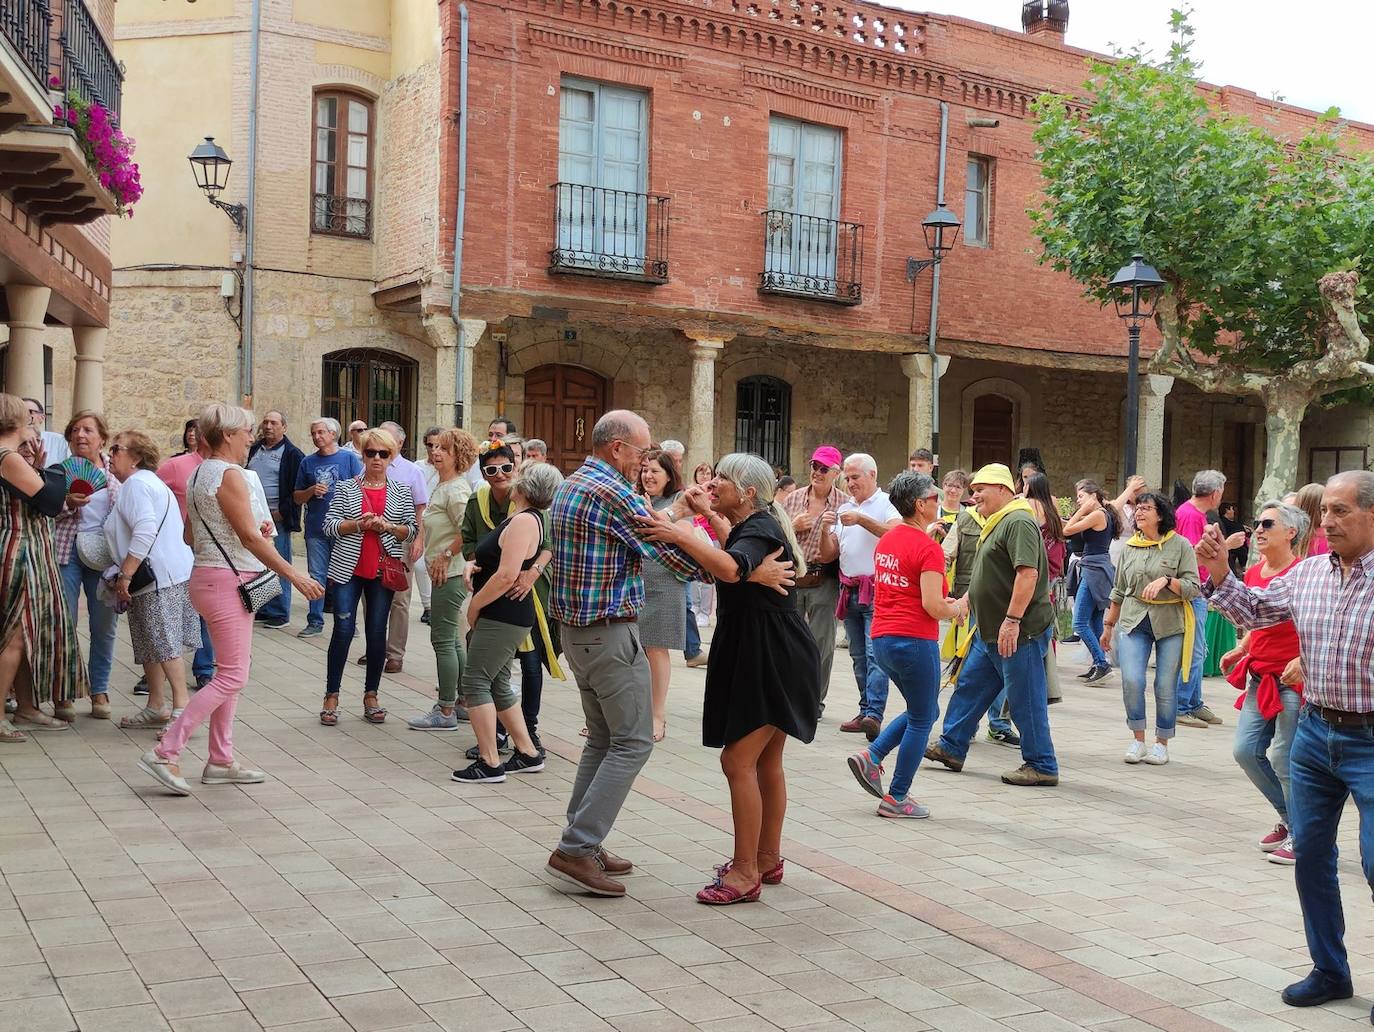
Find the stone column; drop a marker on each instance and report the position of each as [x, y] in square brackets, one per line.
[1150, 429]
[24, 365]
[442, 334]
[467, 346]
[701, 439]
[88, 392]
[917, 370]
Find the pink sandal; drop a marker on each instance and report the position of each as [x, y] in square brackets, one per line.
[772, 876]
[718, 894]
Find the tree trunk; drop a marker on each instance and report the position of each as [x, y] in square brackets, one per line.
[1283, 415]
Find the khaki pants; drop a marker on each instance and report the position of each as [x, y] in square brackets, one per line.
[817, 608]
[398, 625]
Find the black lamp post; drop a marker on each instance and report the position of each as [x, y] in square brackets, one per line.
[210, 165]
[1135, 292]
[941, 228]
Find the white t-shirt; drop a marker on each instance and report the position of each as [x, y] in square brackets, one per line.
[856, 543]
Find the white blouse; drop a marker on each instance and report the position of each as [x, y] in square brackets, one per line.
[146, 523]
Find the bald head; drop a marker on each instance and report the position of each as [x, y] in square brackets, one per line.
[620, 438]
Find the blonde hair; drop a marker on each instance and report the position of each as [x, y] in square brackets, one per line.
[458, 443]
[378, 438]
[216, 421]
[745, 471]
[14, 413]
[1310, 502]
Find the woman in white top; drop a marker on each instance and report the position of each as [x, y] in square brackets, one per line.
[230, 547]
[146, 524]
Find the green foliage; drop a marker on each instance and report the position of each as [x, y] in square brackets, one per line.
[1241, 222]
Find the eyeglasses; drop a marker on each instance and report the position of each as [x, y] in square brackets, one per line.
[115, 449]
[933, 497]
[36, 412]
[1267, 524]
[377, 453]
[499, 468]
[634, 447]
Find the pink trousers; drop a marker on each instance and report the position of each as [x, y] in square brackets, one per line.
[214, 593]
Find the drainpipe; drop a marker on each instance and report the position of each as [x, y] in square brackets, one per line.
[246, 347]
[935, 298]
[454, 296]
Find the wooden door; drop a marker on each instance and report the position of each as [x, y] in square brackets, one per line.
[994, 428]
[562, 404]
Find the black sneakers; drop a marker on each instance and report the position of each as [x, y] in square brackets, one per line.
[1097, 673]
[522, 764]
[502, 746]
[479, 773]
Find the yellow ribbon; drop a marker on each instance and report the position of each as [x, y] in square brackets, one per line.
[952, 520]
[484, 510]
[1189, 618]
[1015, 505]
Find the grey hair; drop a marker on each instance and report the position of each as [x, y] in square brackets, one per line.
[1291, 517]
[535, 444]
[395, 430]
[613, 426]
[537, 482]
[865, 461]
[1364, 486]
[331, 424]
[908, 488]
[433, 431]
[676, 448]
[745, 470]
[1208, 481]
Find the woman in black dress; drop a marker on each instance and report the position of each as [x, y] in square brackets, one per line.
[763, 676]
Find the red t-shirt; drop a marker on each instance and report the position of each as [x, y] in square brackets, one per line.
[370, 558]
[902, 555]
[1275, 645]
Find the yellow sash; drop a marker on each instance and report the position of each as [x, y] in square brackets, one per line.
[1189, 619]
[950, 648]
[484, 510]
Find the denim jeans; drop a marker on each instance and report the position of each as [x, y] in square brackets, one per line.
[203, 663]
[914, 663]
[997, 722]
[1087, 623]
[1255, 735]
[317, 551]
[280, 607]
[872, 682]
[76, 577]
[376, 609]
[1327, 765]
[1133, 652]
[692, 649]
[1022, 676]
[1190, 691]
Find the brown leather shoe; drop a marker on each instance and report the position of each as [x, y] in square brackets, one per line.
[612, 864]
[362, 660]
[1029, 777]
[870, 727]
[934, 752]
[393, 666]
[853, 726]
[583, 873]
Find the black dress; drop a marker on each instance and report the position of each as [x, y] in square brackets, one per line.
[764, 667]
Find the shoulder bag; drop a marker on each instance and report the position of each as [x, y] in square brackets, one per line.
[254, 593]
[144, 575]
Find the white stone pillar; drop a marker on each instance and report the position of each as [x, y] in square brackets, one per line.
[917, 370]
[1150, 429]
[442, 334]
[88, 392]
[701, 437]
[467, 346]
[24, 364]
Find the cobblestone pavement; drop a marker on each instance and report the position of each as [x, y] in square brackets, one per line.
[360, 889]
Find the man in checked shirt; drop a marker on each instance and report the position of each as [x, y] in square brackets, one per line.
[1330, 598]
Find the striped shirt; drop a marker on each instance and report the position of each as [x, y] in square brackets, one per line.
[597, 552]
[798, 502]
[1334, 615]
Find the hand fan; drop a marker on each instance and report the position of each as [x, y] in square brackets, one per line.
[83, 475]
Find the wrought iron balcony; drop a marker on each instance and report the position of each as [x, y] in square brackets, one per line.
[89, 69]
[27, 25]
[613, 233]
[808, 256]
[344, 216]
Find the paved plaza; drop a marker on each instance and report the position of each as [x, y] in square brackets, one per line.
[361, 889]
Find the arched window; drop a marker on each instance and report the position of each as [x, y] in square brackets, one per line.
[763, 418]
[341, 202]
[375, 386]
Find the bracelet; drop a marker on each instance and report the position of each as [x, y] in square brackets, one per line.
[1013, 619]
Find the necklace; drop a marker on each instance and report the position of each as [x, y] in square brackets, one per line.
[374, 486]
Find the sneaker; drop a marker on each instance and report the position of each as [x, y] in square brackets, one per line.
[11, 704]
[867, 773]
[479, 773]
[1275, 838]
[274, 622]
[502, 746]
[1028, 777]
[434, 720]
[1087, 673]
[1158, 755]
[1203, 713]
[160, 770]
[519, 763]
[1135, 752]
[1284, 854]
[934, 752]
[1191, 720]
[1097, 673]
[908, 807]
[214, 774]
[202, 680]
[424, 617]
[1072, 639]
[310, 630]
[142, 687]
[460, 714]
[699, 660]
[1008, 738]
[853, 726]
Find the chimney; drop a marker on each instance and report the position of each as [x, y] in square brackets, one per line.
[1045, 18]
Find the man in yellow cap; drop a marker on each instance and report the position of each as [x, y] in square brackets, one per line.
[1009, 603]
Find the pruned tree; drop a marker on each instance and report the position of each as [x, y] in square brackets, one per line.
[1262, 240]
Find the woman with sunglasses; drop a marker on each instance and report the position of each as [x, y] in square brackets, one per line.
[371, 518]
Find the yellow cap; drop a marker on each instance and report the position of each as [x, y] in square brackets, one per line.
[994, 473]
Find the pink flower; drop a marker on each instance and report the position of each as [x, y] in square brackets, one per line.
[54, 82]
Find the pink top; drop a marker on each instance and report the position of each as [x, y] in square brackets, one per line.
[1318, 545]
[176, 472]
[1191, 522]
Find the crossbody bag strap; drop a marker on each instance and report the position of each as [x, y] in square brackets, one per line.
[232, 568]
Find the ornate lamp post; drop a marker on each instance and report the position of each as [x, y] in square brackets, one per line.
[210, 165]
[940, 228]
[1135, 292]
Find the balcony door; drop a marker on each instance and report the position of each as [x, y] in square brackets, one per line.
[603, 175]
[804, 197]
[562, 404]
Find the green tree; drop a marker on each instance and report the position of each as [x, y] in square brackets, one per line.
[1262, 241]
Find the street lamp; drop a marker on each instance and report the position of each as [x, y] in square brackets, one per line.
[941, 228]
[1135, 292]
[210, 165]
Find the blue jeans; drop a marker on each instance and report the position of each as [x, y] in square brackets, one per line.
[1087, 623]
[376, 610]
[872, 682]
[317, 551]
[203, 663]
[280, 607]
[997, 722]
[1190, 691]
[693, 647]
[76, 577]
[914, 663]
[1133, 653]
[1022, 676]
[1328, 764]
[1254, 736]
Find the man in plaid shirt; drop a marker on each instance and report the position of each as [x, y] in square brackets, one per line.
[1330, 598]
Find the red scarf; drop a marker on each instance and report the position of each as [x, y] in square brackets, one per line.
[1271, 650]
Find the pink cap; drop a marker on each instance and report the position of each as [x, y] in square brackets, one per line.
[829, 455]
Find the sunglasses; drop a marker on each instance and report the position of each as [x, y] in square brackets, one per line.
[1267, 524]
[115, 449]
[504, 467]
[820, 467]
[376, 453]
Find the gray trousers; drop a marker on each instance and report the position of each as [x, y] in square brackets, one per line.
[613, 679]
[817, 607]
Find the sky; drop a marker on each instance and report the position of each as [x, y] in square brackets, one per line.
[1313, 53]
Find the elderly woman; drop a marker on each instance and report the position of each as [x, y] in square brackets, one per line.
[1266, 668]
[908, 604]
[1156, 579]
[1099, 523]
[39, 658]
[147, 539]
[763, 675]
[372, 521]
[231, 547]
[500, 623]
[90, 497]
[662, 621]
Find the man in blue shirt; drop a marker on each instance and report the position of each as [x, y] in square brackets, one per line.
[314, 490]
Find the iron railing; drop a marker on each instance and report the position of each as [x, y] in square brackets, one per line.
[88, 67]
[808, 256]
[604, 232]
[27, 24]
[346, 216]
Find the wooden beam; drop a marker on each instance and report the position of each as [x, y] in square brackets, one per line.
[12, 120]
[26, 161]
[25, 195]
[78, 218]
[43, 209]
[17, 180]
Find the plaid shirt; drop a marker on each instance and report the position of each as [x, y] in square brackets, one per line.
[596, 552]
[1334, 615]
[796, 503]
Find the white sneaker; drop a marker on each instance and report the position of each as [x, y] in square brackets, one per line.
[214, 774]
[1158, 755]
[160, 769]
[1135, 752]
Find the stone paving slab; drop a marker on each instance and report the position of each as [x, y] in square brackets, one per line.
[361, 889]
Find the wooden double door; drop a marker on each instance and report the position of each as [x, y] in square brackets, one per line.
[562, 404]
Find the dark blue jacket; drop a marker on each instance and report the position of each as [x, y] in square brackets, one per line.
[286, 488]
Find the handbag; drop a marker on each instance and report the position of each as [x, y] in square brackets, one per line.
[255, 592]
[394, 574]
[144, 575]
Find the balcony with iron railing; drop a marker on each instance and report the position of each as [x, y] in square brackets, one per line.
[812, 257]
[89, 69]
[27, 27]
[618, 234]
[342, 216]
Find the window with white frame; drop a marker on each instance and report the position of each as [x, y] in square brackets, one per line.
[978, 201]
[804, 167]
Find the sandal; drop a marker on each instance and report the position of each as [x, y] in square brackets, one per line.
[65, 711]
[38, 721]
[10, 733]
[718, 894]
[329, 715]
[772, 876]
[146, 719]
[373, 714]
[100, 706]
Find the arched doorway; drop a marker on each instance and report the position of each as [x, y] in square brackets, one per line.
[562, 404]
[372, 385]
[994, 430]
